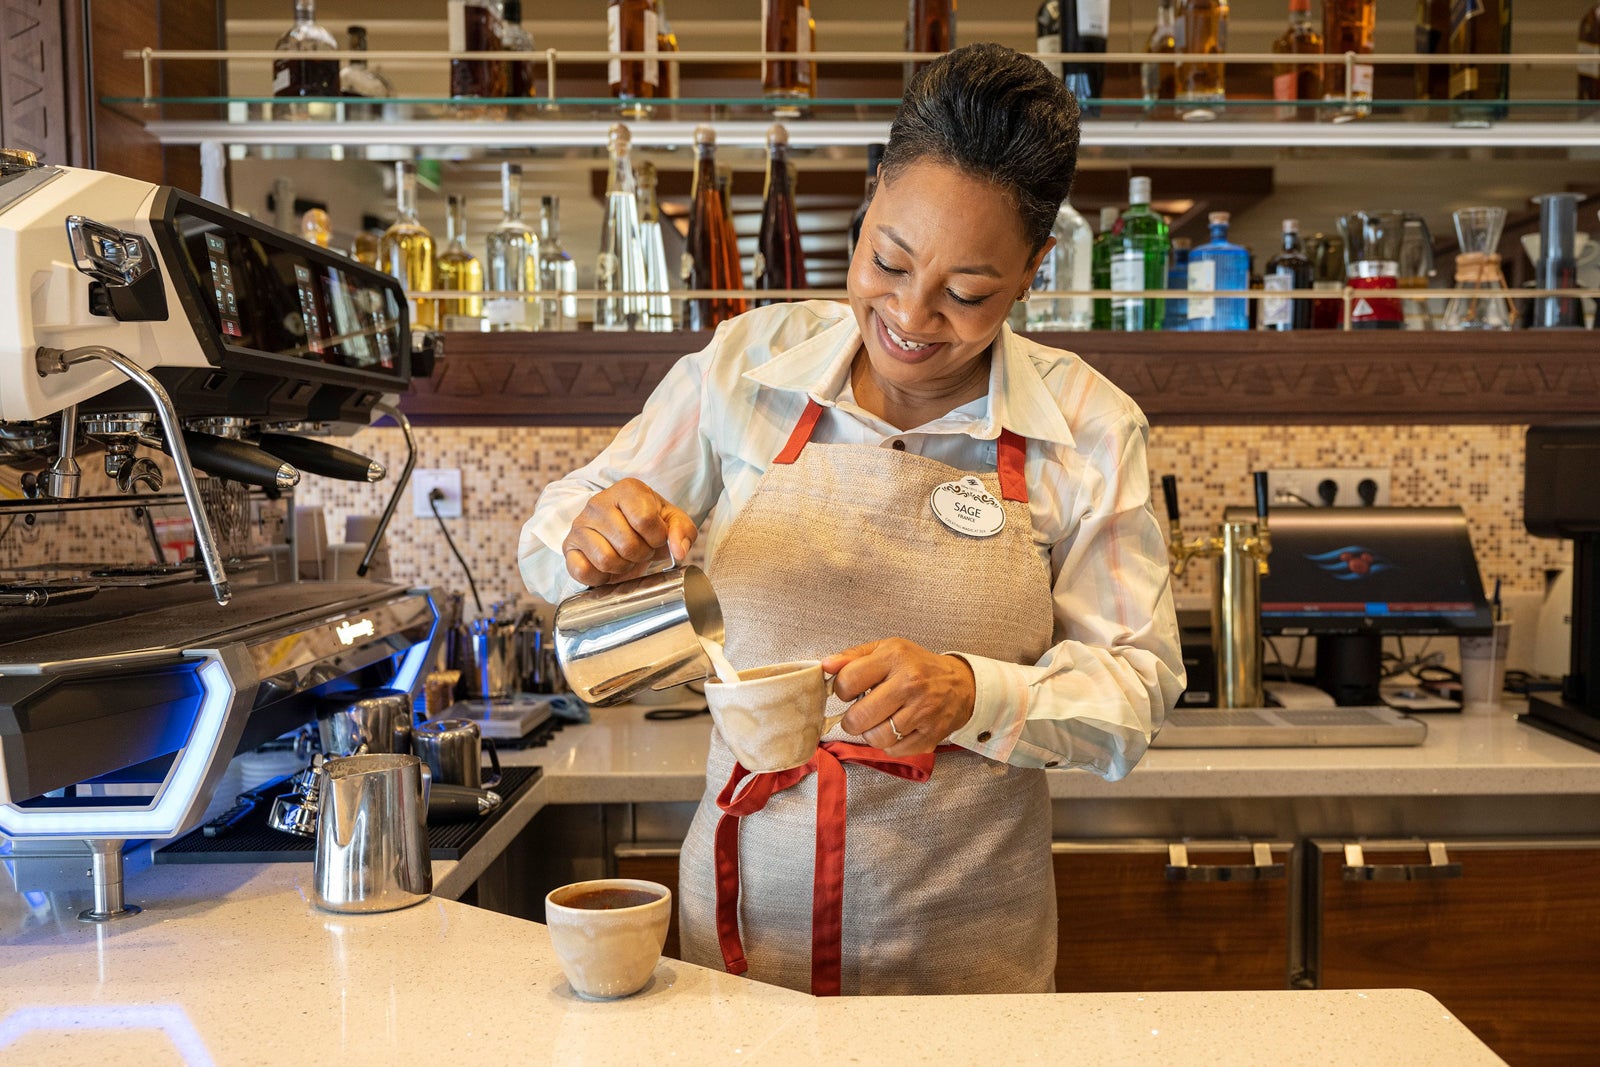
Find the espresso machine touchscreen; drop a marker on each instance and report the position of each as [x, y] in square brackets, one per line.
[160, 355]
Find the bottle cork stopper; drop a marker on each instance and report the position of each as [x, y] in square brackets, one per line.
[705, 135]
[1218, 218]
[1291, 225]
[777, 136]
[618, 136]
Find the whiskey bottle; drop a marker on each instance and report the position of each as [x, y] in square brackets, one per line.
[1348, 26]
[620, 269]
[1138, 261]
[296, 76]
[658, 306]
[706, 259]
[406, 248]
[358, 79]
[1100, 265]
[512, 261]
[1479, 27]
[857, 217]
[631, 27]
[1326, 252]
[1201, 83]
[1083, 29]
[1433, 39]
[1589, 73]
[787, 26]
[667, 44]
[1159, 80]
[1066, 266]
[1298, 82]
[1218, 265]
[516, 75]
[472, 29]
[1287, 271]
[558, 271]
[458, 269]
[930, 27]
[780, 263]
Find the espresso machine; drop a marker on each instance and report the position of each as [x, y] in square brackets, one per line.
[166, 338]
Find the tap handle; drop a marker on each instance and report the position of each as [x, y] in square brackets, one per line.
[1169, 489]
[1262, 496]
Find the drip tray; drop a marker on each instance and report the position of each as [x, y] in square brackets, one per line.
[253, 841]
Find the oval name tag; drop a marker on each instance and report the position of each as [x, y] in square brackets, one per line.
[966, 507]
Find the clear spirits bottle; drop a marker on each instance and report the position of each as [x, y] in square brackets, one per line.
[1292, 82]
[857, 217]
[518, 74]
[1139, 249]
[1159, 80]
[930, 27]
[1287, 271]
[1100, 265]
[1348, 26]
[406, 248]
[658, 306]
[1176, 316]
[293, 75]
[787, 26]
[1479, 27]
[458, 269]
[472, 28]
[359, 79]
[631, 26]
[512, 261]
[1083, 29]
[705, 263]
[1202, 82]
[1589, 72]
[780, 263]
[620, 269]
[1066, 266]
[1433, 39]
[558, 271]
[1219, 264]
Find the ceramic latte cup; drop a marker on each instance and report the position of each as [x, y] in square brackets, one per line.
[608, 934]
[772, 717]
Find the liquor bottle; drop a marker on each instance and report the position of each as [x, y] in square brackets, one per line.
[1327, 266]
[658, 306]
[1047, 33]
[631, 27]
[667, 44]
[517, 75]
[1348, 26]
[874, 157]
[1219, 264]
[1291, 81]
[511, 255]
[1159, 80]
[787, 26]
[358, 79]
[780, 263]
[457, 268]
[558, 271]
[1066, 266]
[1176, 316]
[1139, 250]
[1480, 27]
[1100, 265]
[730, 237]
[472, 29]
[1589, 73]
[1083, 29]
[406, 248]
[1201, 84]
[1290, 269]
[619, 269]
[315, 227]
[364, 249]
[930, 27]
[305, 77]
[1433, 39]
[705, 263]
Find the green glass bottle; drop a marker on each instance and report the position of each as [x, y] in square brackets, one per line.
[1100, 266]
[1138, 256]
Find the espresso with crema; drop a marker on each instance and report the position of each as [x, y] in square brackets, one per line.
[610, 899]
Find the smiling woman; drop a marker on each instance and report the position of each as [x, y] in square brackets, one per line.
[955, 520]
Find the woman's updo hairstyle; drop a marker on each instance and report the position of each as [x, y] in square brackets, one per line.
[998, 115]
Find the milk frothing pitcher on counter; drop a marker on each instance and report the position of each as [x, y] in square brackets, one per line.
[1239, 551]
[372, 837]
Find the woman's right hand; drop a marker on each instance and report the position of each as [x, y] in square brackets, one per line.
[622, 530]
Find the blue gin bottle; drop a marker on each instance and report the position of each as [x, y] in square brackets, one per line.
[1219, 264]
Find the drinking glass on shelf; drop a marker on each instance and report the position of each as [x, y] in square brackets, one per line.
[1416, 270]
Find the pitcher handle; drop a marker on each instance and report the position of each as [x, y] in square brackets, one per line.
[494, 762]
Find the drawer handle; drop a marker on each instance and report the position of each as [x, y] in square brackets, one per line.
[1439, 867]
[1179, 869]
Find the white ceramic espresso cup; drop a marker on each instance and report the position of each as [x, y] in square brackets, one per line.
[608, 933]
[772, 717]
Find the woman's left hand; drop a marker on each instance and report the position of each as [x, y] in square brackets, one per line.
[928, 696]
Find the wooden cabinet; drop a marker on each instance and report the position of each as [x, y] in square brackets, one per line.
[1505, 933]
[1141, 916]
[654, 863]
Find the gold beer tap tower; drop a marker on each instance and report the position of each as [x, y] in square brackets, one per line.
[1239, 551]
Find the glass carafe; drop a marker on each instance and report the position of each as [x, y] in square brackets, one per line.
[1480, 301]
[1372, 264]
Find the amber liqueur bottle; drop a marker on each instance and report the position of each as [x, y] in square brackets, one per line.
[1293, 81]
[518, 74]
[930, 27]
[631, 26]
[472, 27]
[787, 26]
[1480, 27]
[1589, 44]
[1201, 83]
[780, 263]
[1349, 26]
[706, 259]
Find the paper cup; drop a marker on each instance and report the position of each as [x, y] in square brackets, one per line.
[772, 717]
[1483, 666]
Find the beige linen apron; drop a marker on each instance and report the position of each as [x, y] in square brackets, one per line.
[946, 875]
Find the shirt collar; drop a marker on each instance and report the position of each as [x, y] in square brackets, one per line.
[1019, 401]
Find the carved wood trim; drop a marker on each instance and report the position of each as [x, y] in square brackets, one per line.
[33, 88]
[1179, 379]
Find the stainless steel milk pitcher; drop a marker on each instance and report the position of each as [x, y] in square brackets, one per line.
[372, 835]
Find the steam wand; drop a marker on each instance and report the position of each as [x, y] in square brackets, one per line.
[56, 361]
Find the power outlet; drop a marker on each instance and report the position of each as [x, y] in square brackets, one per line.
[447, 480]
[1293, 485]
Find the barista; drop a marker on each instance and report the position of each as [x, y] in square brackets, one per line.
[820, 449]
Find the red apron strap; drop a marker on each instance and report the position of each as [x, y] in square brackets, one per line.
[802, 432]
[1011, 454]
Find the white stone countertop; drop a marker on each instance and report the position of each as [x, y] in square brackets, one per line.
[621, 757]
[231, 964]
